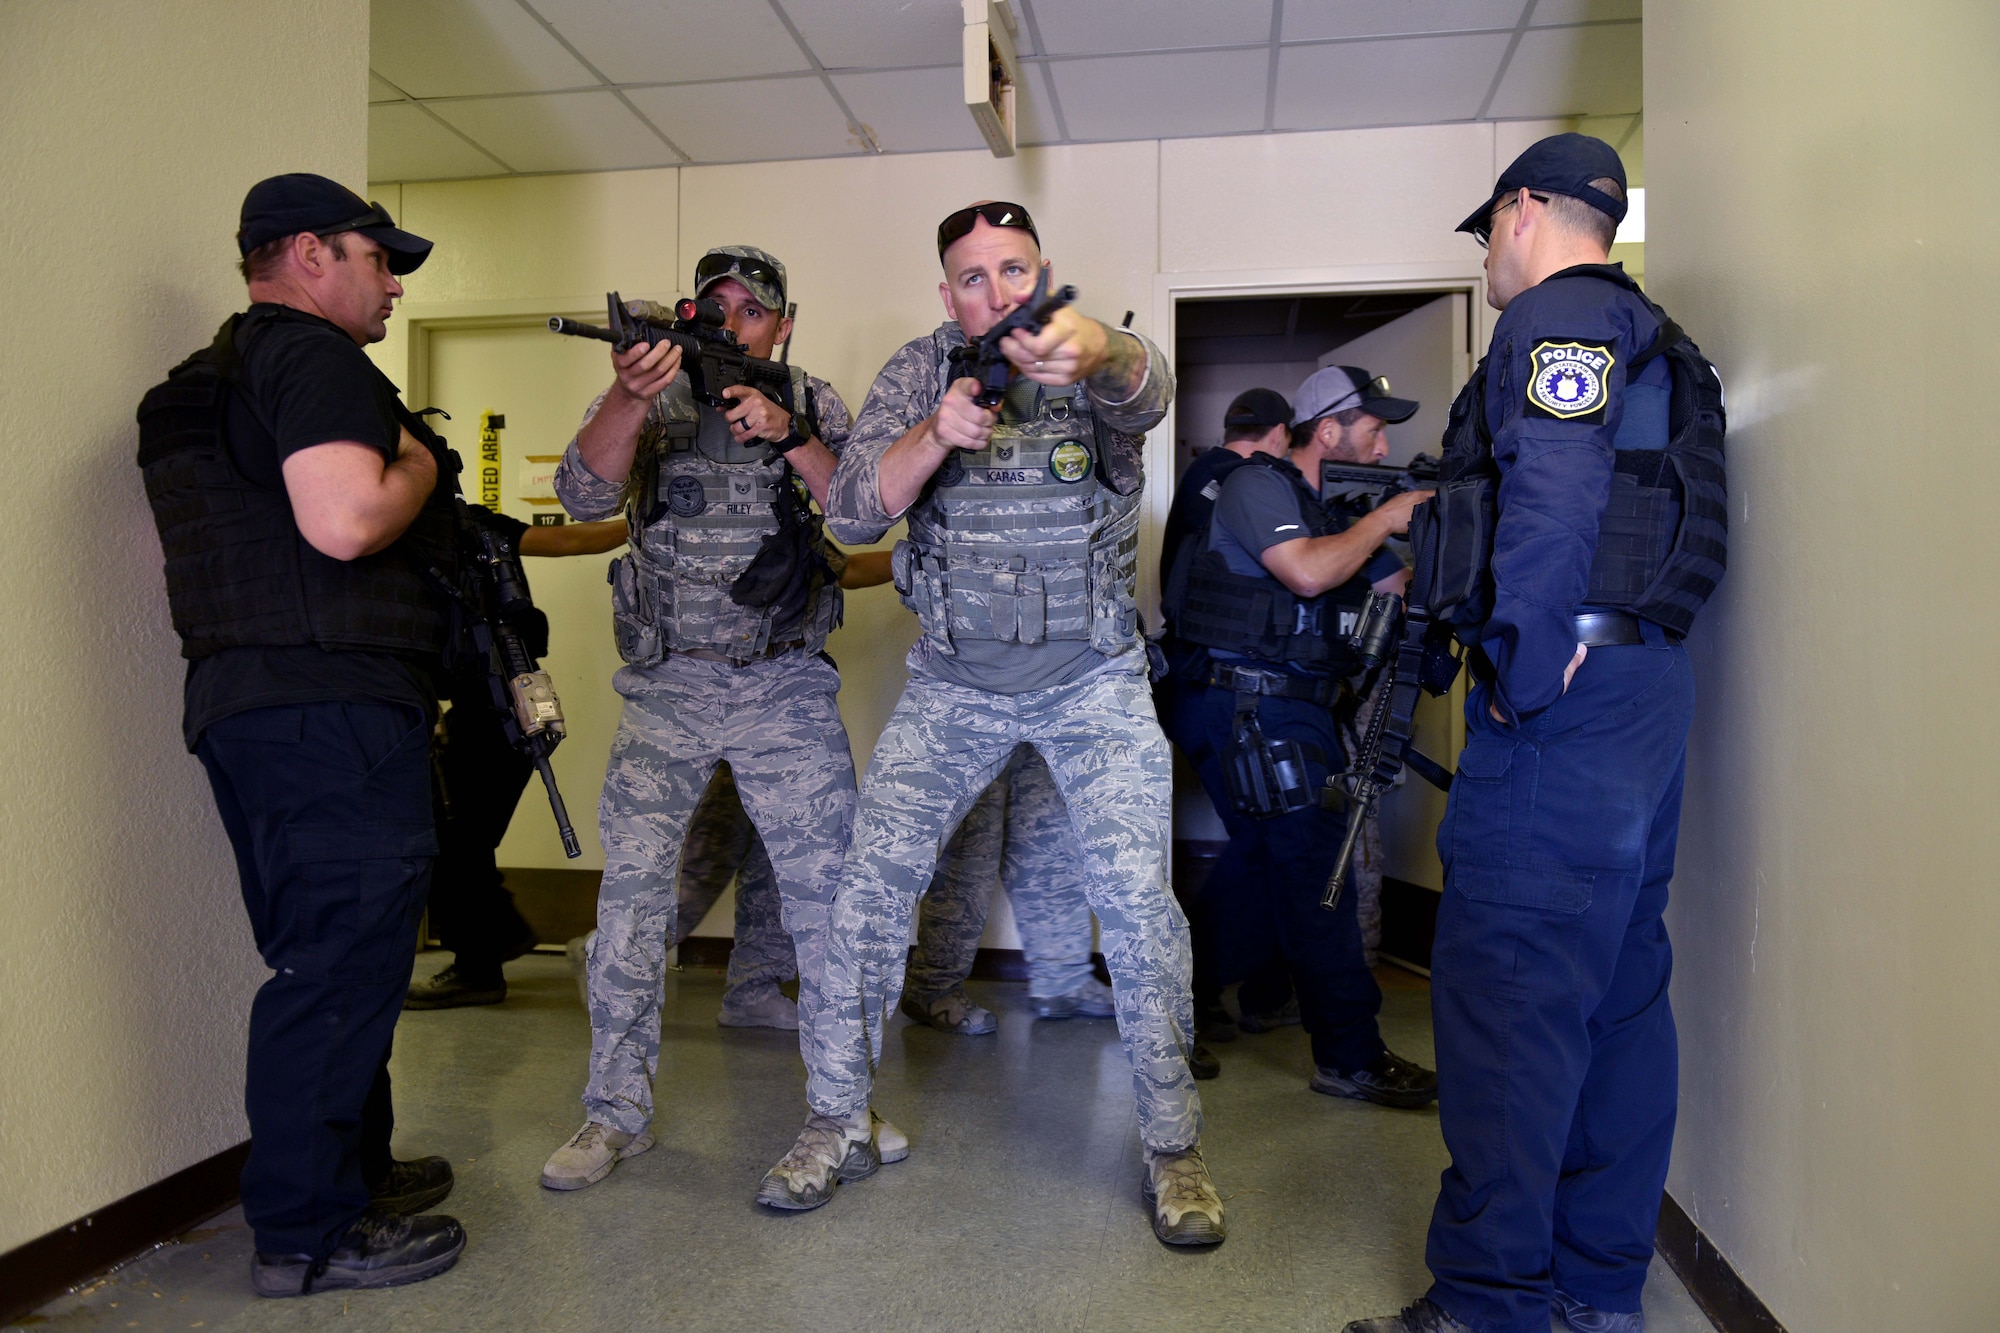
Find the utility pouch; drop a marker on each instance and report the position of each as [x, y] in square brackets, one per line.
[1457, 534]
[1265, 778]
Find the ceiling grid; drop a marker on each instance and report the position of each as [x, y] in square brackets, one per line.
[481, 88]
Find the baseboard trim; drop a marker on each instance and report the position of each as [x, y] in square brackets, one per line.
[1710, 1278]
[44, 1268]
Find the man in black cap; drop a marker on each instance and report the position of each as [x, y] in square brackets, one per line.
[1269, 596]
[1579, 526]
[301, 514]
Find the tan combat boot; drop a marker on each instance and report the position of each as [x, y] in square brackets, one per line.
[1186, 1208]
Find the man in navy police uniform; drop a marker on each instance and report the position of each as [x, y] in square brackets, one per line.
[1556, 1053]
[1262, 607]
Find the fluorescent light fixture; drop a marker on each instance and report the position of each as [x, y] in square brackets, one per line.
[1632, 231]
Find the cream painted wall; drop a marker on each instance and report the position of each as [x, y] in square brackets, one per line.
[1822, 197]
[126, 966]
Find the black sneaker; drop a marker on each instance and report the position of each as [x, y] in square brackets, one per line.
[411, 1187]
[1389, 1081]
[1202, 1063]
[376, 1252]
[1423, 1317]
[1287, 1015]
[456, 987]
[1582, 1318]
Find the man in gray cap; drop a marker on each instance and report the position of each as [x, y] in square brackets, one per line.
[1019, 565]
[300, 510]
[712, 673]
[1272, 593]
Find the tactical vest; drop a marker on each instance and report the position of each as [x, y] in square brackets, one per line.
[700, 506]
[239, 572]
[1257, 615]
[1663, 540]
[1028, 539]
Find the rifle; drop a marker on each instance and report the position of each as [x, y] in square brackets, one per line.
[520, 691]
[1350, 481]
[983, 360]
[1419, 662]
[712, 357]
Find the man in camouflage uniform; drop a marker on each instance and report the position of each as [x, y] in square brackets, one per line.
[707, 678]
[1023, 534]
[1019, 833]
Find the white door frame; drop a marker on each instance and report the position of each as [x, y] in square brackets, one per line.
[1169, 289]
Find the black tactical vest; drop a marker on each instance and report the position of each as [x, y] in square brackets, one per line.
[239, 572]
[1258, 616]
[1663, 540]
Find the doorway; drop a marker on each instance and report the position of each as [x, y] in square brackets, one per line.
[1420, 340]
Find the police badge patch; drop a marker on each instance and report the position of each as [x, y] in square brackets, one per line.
[1070, 461]
[685, 498]
[1567, 381]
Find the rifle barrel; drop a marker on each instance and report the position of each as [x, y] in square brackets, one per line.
[576, 328]
[571, 848]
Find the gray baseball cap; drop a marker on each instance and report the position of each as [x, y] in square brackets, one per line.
[1336, 388]
[758, 270]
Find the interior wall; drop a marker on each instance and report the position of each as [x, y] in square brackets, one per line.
[1821, 206]
[126, 965]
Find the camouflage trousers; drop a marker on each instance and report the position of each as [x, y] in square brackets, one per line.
[776, 725]
[1018, 834]
[722, 845]
[943, 745]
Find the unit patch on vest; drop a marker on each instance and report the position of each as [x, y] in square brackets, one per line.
[1070, 461]
[685, 498]
[952, 470]
[1567, 381]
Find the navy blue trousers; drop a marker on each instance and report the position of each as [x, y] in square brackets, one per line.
[1262, 898]
[328, 806]
[472, 913]
[1557, 1063]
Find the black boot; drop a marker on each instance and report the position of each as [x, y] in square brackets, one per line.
[377, 1251]
[411, 1187]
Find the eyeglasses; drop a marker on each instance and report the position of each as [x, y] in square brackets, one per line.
[1483, 233]
[714, 267]
[957, 226]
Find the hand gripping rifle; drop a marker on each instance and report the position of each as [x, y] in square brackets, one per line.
[1420, 661]
[711, 356]
[1374, 482]
[983, 360]
[521, 692]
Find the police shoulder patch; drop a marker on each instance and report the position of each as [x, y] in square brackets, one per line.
[1568, 380]
[1070, 461]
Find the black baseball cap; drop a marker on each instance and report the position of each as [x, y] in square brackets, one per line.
[1257, 409]
[1560, 164]
[1337, 388]
[286, 205]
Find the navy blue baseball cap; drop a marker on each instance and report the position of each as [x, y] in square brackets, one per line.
[286, 205]
[1560, 164]
[1258, 409]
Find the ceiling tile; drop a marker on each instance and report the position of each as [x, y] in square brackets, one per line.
[1092, 27]
[753, 121]
[872, 34]
[587, 131]
[647, 41]
[1412, 81]
[404, 144]
[460, 48]
[1310, 20]
[1573, 72]
[912, 111]
[1163, 96]
[381, 90]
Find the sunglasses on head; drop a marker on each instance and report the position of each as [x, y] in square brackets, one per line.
[714, 267]
[961, 223]
[1374, 389]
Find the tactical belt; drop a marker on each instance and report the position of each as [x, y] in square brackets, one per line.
[710, 655]
[1276, 684]
[1605, 629]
